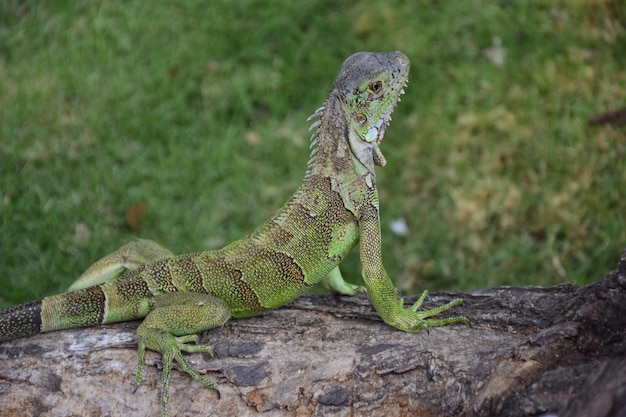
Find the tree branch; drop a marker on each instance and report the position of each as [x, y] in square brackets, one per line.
[528, 351]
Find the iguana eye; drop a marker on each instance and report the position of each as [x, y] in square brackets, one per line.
[375, 86]
[360, 118]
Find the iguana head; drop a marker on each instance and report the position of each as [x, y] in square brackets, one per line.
[370, 85]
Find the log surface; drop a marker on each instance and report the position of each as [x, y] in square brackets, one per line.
[529, 351]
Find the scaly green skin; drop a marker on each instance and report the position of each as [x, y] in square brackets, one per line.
[335, 208]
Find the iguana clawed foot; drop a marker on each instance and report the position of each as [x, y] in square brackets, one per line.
[170, 347]
[413, 320]
[182, 314]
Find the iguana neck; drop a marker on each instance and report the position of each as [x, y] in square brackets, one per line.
[332, 154]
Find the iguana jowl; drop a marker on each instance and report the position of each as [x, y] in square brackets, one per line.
[335, 208]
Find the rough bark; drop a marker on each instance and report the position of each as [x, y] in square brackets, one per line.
[529, 351]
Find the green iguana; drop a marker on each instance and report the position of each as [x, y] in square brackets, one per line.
[335, 208]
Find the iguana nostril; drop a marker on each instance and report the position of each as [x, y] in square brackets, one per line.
[403, 60]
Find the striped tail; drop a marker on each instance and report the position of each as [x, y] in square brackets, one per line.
[64, 311]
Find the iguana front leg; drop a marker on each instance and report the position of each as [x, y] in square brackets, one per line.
[127, 258]
[174, 322]
[335, 283]
[381, 291]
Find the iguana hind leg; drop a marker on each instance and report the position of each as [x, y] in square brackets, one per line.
[171, 326]
[127, 258]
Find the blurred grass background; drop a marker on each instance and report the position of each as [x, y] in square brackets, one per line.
[196, 110]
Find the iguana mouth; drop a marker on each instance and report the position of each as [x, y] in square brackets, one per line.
[386, 120]
[381, 126]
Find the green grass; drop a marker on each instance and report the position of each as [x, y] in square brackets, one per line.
[198, 110]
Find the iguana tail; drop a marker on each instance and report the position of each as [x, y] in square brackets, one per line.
[92, 306]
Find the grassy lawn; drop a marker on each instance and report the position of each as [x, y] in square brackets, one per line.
[196, 110]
